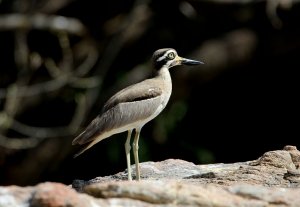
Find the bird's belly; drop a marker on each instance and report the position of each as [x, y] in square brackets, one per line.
[138, 123]
[141, 123]
[159, 109]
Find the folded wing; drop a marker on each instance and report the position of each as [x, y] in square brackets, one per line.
[119, 110]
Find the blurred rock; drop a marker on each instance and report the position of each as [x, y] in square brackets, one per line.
[271, 180]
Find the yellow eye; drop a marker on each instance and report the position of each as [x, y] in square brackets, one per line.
[171, 55]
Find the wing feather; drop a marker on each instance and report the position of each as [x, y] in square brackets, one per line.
[140, 91]
[119, 110]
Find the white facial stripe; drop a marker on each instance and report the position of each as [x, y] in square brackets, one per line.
[165, 55]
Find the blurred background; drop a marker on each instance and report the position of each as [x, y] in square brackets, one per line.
[62, 59]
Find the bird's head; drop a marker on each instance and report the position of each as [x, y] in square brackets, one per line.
[168, 58]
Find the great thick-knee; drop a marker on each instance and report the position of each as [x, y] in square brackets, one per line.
[131, 108]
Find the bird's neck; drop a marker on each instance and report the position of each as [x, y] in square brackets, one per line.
[165, 80]
[164, 74]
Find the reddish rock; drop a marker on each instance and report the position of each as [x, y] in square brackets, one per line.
[56, 195]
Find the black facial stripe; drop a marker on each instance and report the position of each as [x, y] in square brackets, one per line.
[159, 64]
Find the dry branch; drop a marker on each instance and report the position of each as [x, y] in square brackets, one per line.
[62, 74]
[42, 22]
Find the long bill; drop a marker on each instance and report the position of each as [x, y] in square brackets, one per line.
[186, 61]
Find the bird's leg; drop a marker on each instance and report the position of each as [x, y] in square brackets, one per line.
[127, 150]
[136, 152]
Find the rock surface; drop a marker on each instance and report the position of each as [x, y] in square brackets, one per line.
[271, 180]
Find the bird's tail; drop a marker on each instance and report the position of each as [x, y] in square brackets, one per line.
[89, 145]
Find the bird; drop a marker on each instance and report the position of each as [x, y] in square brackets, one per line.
[134, 106]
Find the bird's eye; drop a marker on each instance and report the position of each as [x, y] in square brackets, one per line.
[171, 55]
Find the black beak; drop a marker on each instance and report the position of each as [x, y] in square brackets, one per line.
[185, 61]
